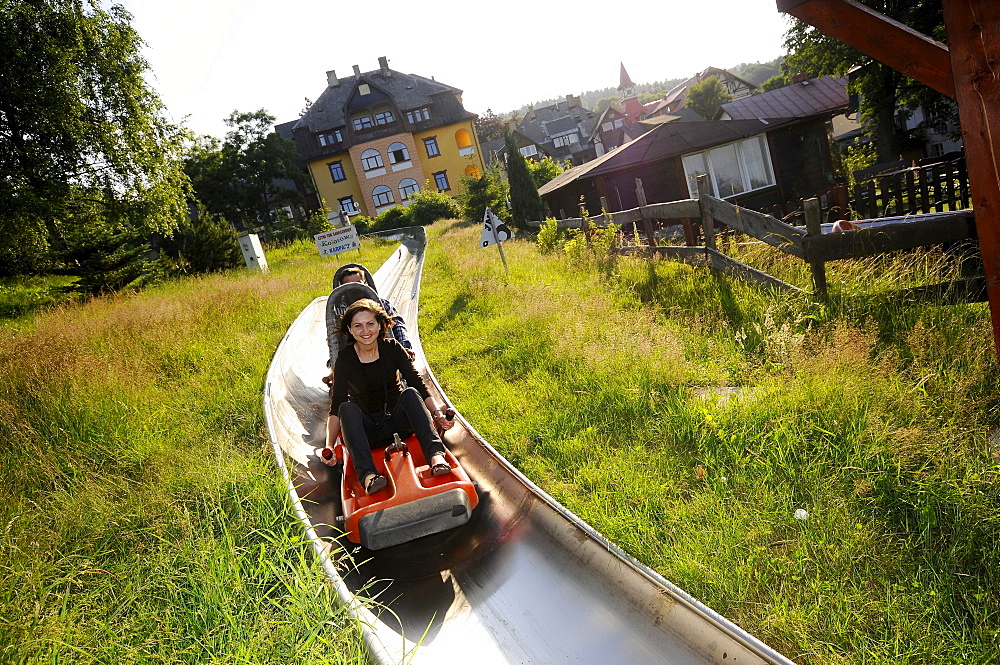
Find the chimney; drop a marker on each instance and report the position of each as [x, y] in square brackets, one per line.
[331, 79]
[569, 101]
[799, 78]
[383, 65]
[357, 70]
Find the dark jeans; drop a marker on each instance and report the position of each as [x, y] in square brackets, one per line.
[362, 431]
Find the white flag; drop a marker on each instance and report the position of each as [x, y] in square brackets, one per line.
[494, 231]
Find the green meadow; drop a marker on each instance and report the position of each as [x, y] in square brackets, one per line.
[826, 475]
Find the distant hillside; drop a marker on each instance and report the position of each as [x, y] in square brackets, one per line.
[754, 72]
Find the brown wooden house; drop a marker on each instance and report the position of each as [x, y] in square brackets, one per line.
[775, 153]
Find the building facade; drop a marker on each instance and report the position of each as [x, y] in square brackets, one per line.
[373, 140]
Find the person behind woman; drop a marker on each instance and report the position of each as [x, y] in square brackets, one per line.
[368, 402]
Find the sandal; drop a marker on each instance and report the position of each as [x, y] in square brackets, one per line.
[376, 482]
[440, 468]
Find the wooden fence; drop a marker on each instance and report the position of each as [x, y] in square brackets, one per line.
[936, 187]
[700, 219]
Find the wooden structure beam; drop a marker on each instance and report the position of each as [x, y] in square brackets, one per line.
[890, 42]
[971, 75]
[973, 28]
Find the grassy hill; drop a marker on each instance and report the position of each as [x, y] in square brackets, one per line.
[822, 474]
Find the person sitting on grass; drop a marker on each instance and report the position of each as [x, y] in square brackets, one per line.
[368, 403]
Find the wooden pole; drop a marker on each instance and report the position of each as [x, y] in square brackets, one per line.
[707, 223]
[973, 28]
[814, 222]
[647, 224]
[888, 41]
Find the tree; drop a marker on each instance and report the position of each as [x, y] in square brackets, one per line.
[489, 127]
[83, 140]
[525, 203]
[707, 97]
[487, 191]
[544, 170]
[883, 92]
[605, 103]
[249, 174]
[204, 244]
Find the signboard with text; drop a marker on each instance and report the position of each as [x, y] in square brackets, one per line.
[336, 241]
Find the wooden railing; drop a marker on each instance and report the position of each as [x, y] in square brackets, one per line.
[939, 187]
[700, 219]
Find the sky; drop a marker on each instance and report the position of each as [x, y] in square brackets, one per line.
[209, 58]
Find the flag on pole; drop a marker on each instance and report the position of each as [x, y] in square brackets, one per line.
[494, 231]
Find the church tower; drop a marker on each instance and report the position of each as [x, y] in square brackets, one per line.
[630, 102]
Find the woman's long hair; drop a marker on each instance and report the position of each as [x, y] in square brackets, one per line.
[368, 305]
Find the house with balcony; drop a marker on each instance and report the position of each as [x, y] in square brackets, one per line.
[374, 139]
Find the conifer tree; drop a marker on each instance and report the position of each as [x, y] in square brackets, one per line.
[526, 205]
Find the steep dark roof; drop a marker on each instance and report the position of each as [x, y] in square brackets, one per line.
[408, 91]
[826, 95]
[679, 91]
[663, 141]
[678, 138]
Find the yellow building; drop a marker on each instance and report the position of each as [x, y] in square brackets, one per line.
[372, 140]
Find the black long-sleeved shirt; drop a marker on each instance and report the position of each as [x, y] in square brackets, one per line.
[374, 386]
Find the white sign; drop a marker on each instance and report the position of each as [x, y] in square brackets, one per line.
[253, 253]
[337, 240]
[494, 231]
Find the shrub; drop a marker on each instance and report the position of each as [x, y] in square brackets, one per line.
[489, 191]
[318, 222]
[202, 245]
[550, 236]
[428, 206]
[393, 218]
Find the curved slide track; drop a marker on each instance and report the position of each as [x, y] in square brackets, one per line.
[524, 581]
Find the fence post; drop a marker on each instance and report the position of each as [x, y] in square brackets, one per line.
[814, 221]
[707, 223]
[640, 194]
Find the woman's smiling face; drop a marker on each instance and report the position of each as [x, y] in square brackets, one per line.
[365, 328]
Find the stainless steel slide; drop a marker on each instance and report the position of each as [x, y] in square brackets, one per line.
[525, 581]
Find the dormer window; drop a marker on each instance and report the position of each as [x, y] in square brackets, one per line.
[330, 138]
[565, 139]
[418, 115]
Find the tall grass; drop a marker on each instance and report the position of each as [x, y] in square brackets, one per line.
[685, 415]
[688, 417]
[143, 520]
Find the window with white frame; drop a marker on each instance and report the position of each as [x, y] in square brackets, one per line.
[441, 180]
[407, 188]
[418, 115]
[431, 145]
[382, 196]
[348, 205]
[337, 171]
[528, 150]
[371, 159]
[608, 126]
[363, 122]
[732, 169]
[565, 139]
[398, 153]
[330, 138]
[383, 117]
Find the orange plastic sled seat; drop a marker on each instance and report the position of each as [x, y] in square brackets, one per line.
[413, 503]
